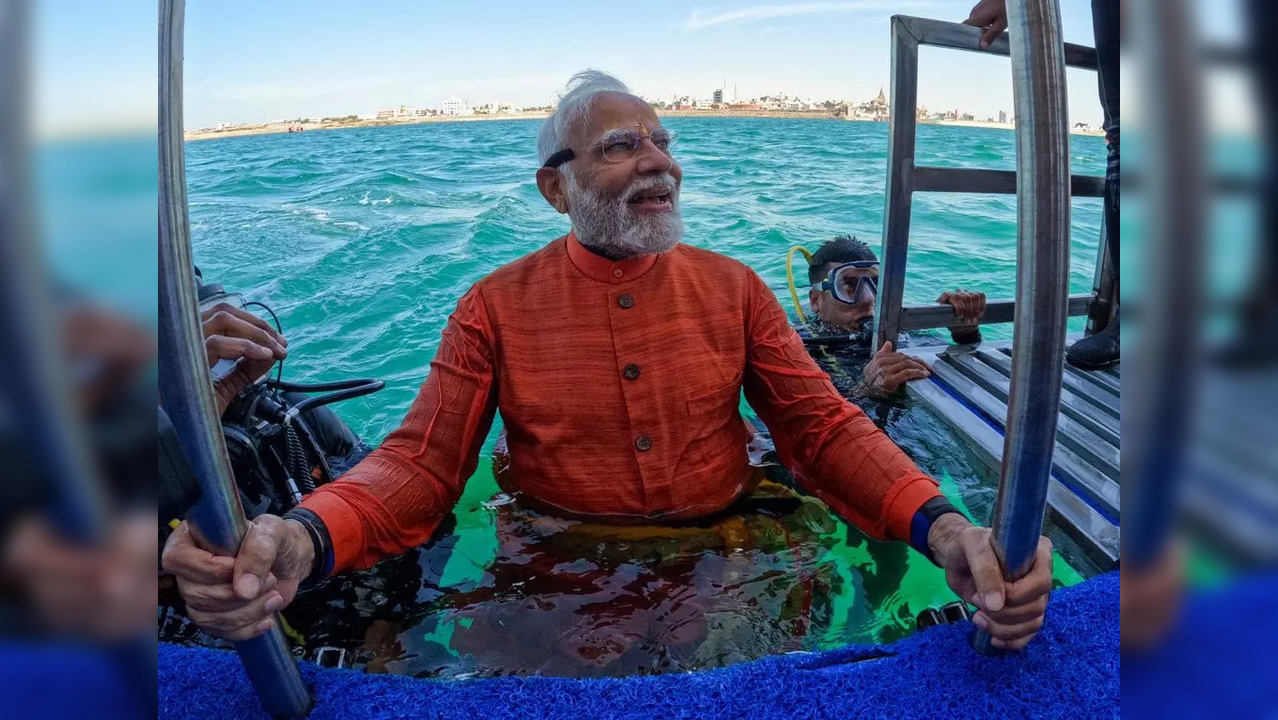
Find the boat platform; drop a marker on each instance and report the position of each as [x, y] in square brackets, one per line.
[969, 391]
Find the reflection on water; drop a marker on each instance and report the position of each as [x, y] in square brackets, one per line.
[774, 574]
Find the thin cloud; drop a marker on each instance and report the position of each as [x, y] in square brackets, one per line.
[701, 19]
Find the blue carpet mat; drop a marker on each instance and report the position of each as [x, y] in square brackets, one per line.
[1218, 662]
[1071, 670]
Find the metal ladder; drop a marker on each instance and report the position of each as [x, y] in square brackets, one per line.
[1051, 431]
[905, 178]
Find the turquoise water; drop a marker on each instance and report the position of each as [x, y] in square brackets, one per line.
[363, 239]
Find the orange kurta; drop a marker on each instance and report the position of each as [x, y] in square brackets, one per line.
[619, 384]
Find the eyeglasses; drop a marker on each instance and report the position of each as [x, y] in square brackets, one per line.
[849, 287]
[619, 146]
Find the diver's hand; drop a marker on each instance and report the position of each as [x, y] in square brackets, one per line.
[234, 334]
[990, 15]
[888, 370]
[1011, 612]
[235, 597]
[968, 305]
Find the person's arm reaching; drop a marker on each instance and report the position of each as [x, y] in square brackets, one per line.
[840, 456]
[394, 498]
[835, 451]
[969, 306]
[391, 501]
[991, 17]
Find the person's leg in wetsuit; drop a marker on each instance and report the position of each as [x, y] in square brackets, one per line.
[1101, 349]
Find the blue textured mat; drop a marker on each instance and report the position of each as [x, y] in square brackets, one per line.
[1071, 671]
[1219, 661]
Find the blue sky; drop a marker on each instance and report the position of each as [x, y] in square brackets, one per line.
[259, 61]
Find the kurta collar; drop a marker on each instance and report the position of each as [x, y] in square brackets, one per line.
[602, 269]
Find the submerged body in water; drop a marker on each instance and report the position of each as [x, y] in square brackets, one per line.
[774, 573]
[473, 560]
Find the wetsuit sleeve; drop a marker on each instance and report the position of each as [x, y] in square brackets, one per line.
[833, 449]
[395, 498]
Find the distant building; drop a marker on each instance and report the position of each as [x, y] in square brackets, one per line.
[1002, 117]
[877, 109]
[717, 97]
[454, 106]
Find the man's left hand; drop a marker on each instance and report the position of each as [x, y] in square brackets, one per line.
[1011, 612]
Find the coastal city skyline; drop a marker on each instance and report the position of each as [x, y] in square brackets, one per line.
[724, 99]
[256, 63]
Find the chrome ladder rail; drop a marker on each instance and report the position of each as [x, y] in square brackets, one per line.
[217, 519]
[991, 401]
[905, 178]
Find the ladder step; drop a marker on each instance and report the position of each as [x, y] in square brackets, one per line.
[1070, 466]
[1073, 380]
[1096, 535]
[929, 178]
[927, 317]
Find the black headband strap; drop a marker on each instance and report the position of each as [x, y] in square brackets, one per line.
[559, 158]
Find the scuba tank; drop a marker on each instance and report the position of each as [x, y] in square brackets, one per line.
[282, 439]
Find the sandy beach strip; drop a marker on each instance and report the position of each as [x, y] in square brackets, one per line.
[282, 127]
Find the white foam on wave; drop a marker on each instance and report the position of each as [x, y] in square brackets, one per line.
[367, 201]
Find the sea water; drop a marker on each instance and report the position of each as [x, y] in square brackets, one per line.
[363, 239]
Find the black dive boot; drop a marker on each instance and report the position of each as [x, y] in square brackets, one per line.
[1095, 351]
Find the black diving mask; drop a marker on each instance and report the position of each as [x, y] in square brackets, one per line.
[850, 284]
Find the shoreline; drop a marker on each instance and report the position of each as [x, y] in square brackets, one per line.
[281, 128]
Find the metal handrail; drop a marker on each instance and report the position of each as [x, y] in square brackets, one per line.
[937, 315]
[1158, 402]
[906, 178]
[217, 519]
[1042, 284]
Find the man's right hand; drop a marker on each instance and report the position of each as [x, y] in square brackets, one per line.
[990, 15]
[234, 334]
[888, 370]
[235, 597]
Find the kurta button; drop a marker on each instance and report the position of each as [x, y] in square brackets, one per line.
[626, 301]
[642, 443]
[631, 371]
[616, 272]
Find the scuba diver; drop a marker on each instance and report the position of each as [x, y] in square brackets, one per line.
[844, 276]
[282, 439]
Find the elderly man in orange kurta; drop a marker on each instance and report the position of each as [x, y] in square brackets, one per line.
[616, 356]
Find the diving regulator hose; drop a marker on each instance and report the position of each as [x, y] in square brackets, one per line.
[789, 276]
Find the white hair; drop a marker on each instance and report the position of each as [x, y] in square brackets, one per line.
[574, 102]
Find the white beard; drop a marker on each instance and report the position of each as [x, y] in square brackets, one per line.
[609, 226]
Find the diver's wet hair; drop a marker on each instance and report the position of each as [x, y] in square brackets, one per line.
[842, 249]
